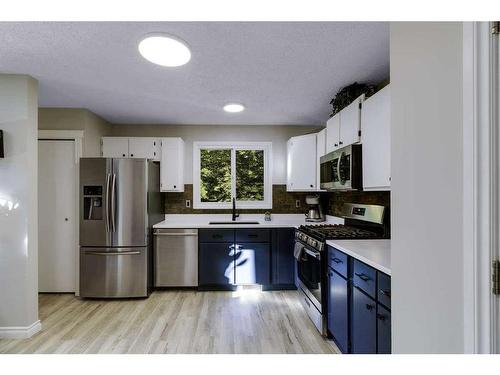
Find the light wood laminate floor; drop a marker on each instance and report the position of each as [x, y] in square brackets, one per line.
[247, 321]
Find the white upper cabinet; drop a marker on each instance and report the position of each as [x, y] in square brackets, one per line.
[172, 165]
[136, 147]
[320, 151]
[350, 123]
[343, 129]
[142, 147]
[333, 133]
[301, 163]
[114, 147]
[376, 140]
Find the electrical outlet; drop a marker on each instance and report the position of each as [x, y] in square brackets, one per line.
[188, 203]
[297, 203]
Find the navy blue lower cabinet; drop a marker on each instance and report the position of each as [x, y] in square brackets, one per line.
[282, 259]
[338, 310]
[384, 330]
[364, 323]
[252, 263]
[216, 264]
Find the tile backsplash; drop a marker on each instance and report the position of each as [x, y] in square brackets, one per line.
[338, 198]
[283, 202]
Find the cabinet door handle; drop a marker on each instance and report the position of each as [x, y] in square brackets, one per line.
[369, 307]
[386, 293]
[341, 143]
[123, 155]
[381, 317]
[362, 276]
[131, 155]
[337, 260]
[216, 235]
[336, 145]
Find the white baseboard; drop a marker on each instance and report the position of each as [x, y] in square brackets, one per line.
[20, 332]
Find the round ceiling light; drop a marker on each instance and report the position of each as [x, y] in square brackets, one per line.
[234, 107]
[164, 50]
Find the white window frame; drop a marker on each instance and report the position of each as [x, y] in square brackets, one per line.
[267, 203]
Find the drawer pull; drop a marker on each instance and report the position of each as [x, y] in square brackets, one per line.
[216, 235]
[253, 235]
[386, 293]
[337, 260]
[369, 307]
[363, 277]
[381, 317]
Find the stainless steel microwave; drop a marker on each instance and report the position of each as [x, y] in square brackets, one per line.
[341, 169]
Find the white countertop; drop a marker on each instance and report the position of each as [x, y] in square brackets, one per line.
[202, 221]
[375, 253]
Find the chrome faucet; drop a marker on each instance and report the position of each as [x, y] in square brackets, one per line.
[235, 215]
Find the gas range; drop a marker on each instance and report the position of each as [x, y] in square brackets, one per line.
[316, 235]
[360, 222]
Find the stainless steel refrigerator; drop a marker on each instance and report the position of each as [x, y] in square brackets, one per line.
[120, 200]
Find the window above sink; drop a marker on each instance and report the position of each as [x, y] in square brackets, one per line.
[223, 170]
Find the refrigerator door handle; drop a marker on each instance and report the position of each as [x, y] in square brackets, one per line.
[108, 177]
[113, 203]
[111, 253]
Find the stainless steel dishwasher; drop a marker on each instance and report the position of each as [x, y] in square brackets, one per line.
[176, 257]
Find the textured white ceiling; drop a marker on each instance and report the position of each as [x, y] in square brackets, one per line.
[284, 73]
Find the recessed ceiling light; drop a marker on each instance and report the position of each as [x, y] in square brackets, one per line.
[234, 107]
[164, 50]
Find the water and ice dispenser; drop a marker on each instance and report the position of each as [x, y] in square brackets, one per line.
[92, 202]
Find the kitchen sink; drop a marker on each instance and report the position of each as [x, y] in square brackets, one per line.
[232, 222]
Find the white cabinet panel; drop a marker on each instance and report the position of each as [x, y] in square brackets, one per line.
[114, 147]
[172, 165]
[376, 140]
[350, 123]
[333, 133]
[320, 151]
[142, 148]
[301, 163]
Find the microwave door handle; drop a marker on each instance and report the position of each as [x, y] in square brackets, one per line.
[338, 168]
[106, 221]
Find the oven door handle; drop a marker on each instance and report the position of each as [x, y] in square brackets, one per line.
[314, 254]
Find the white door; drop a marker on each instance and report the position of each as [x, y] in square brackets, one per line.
[332, 133]
[115, 147]
[376, 140]
[320, 151]
[172, 165]
[142, 148]
[350, 123]
[57, 216]
[496, 110]
[301, 168]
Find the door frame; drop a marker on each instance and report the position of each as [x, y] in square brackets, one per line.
[77, 137]
[480, 188]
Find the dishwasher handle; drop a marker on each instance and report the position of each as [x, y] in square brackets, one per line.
[175, 234]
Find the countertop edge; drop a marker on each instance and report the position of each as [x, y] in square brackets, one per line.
[360, 257]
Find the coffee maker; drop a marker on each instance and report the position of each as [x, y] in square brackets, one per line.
[315, 212]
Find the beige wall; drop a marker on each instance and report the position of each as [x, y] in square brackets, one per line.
[93, 126]
[189, 133]
[426, 191]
